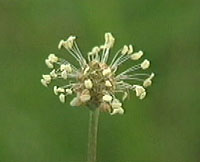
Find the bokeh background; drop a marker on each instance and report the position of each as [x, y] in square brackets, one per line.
[36, 127]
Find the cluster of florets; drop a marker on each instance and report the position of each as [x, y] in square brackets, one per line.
[96, 83]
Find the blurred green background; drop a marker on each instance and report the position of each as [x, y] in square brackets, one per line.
[36, 127]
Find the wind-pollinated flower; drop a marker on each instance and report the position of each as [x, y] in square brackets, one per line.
[96, 82]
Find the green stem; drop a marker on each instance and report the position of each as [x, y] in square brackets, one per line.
[92, 135]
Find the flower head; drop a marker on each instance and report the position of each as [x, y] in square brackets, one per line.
[96, 81]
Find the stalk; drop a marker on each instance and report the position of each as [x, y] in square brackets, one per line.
[92, 135]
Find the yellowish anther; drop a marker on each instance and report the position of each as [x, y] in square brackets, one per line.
[107, 98]
[109, 40]
[130, 50]
[47, 78]
[106, 71]
[139, 90]
[116, 104]
[61, 90]
[145, 64]
[124, 50]
[44, 83]
[66, 67]
[137, 55]
[68, 91]
[117, 111]
[108, 83]
[95, 50]
[68, 44]
[64, 74]
[53, 74]
[88, 84]
[55, 90]
[61, 44]
[49, 64]
[143, 95]
[62, 98]
[52, 58]
[86, 70]
[147, 82]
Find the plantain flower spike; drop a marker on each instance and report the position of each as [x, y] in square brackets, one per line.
[93, 80]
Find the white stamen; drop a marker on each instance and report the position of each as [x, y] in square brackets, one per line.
[66, 67]
[130, 49]
[124, 50]
[64, 74]
[55, 90]
[49, 64]
[147, 82]
[117, 111]
[109, 40]
[52, 58]
[44, 83]
[116, 104]
[68, 44]
[62, 98]
[86, 70]
[137, 55]
[145, 64]
[53, 74]
[68, 91]
[61, 44]
[47, 78]
[139, 90]
[143, 95]
[88, 84]
[106, 71]
[107, 98]
[108, 83]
